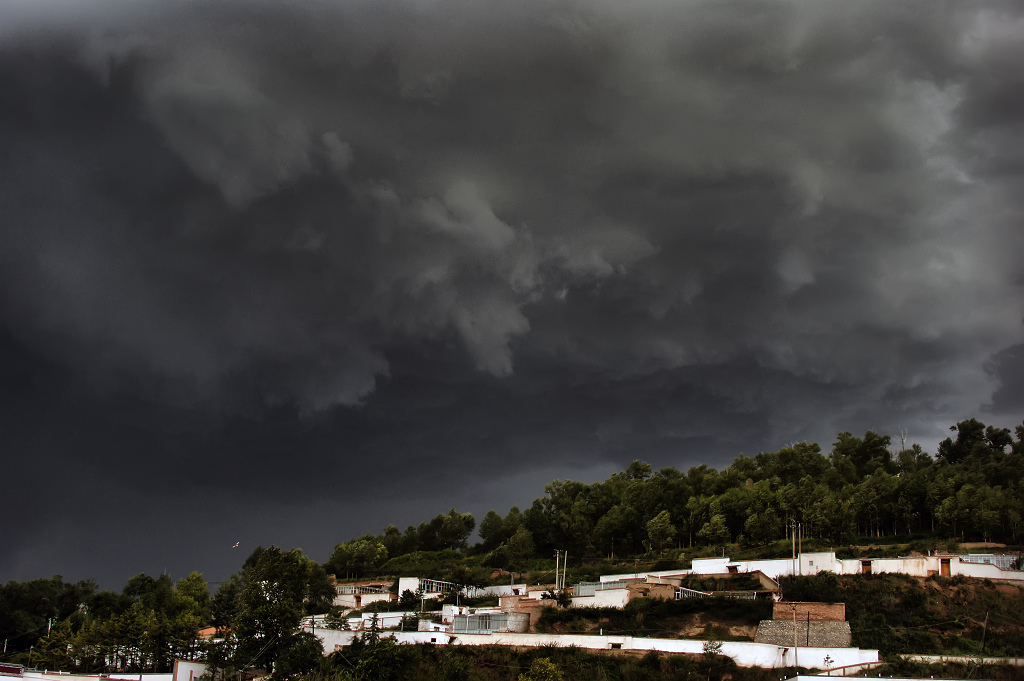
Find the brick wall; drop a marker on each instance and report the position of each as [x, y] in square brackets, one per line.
[819, 612]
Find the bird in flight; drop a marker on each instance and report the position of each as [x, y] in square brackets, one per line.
[235, 546]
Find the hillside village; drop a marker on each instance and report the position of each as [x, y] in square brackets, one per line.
[805, 634]
[874, 573]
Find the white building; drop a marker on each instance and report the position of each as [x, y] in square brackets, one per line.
[813, 563]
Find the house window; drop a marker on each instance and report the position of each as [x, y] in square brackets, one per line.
[615, 646]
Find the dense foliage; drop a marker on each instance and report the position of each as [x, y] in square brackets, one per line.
[73, 627]
[382, 660]
[973, 489]
[153, 621]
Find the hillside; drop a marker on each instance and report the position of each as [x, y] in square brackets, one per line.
[937, 615]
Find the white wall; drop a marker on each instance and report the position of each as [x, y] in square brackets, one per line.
[812, 563]
[188, 671]
[745, 654]
[773, 568]
[57, 676]
[916, 566]
[611, 598]
[603, 598]
[500, 590]
[709, 566]
[407, 583]
[983, 570]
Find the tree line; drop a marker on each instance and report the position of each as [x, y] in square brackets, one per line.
[52, 624]
[971, 489]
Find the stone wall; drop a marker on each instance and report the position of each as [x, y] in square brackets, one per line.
[821, 634]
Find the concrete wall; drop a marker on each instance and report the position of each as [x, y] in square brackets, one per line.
[922, 566]
[807, 563]
[965, 659]
[407, 584]
[773, 568]
[917, 566]
[611, 598]
[826, 561]
[983, 571]
[188, 671]
[448, 612]
[708, 566]
[744, 653]
[35, 675]
[813, 563]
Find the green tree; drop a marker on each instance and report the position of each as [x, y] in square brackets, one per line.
[762, 528]
[612, 529]
[660, 531]
[856, 458]
[974, 438]
[304, 654]
[446, 531]
[520, 548]
[492, 530]
[715, 531]
[320, 591]
[358, 557]
[192, 596]
[638, 470]
[225, 602]
[272, 605]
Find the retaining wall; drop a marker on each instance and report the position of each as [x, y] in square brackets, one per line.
[745, 654]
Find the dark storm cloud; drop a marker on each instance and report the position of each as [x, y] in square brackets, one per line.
[283, 254]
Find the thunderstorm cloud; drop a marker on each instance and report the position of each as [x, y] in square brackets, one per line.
[294, 270]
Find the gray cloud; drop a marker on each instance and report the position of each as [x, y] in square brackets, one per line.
[262, 239]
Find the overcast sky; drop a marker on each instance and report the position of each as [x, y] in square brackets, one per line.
[285, 272]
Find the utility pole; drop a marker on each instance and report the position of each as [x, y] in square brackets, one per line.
[795, 658]
[557, 553]
[792, 529]
[565, 566]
